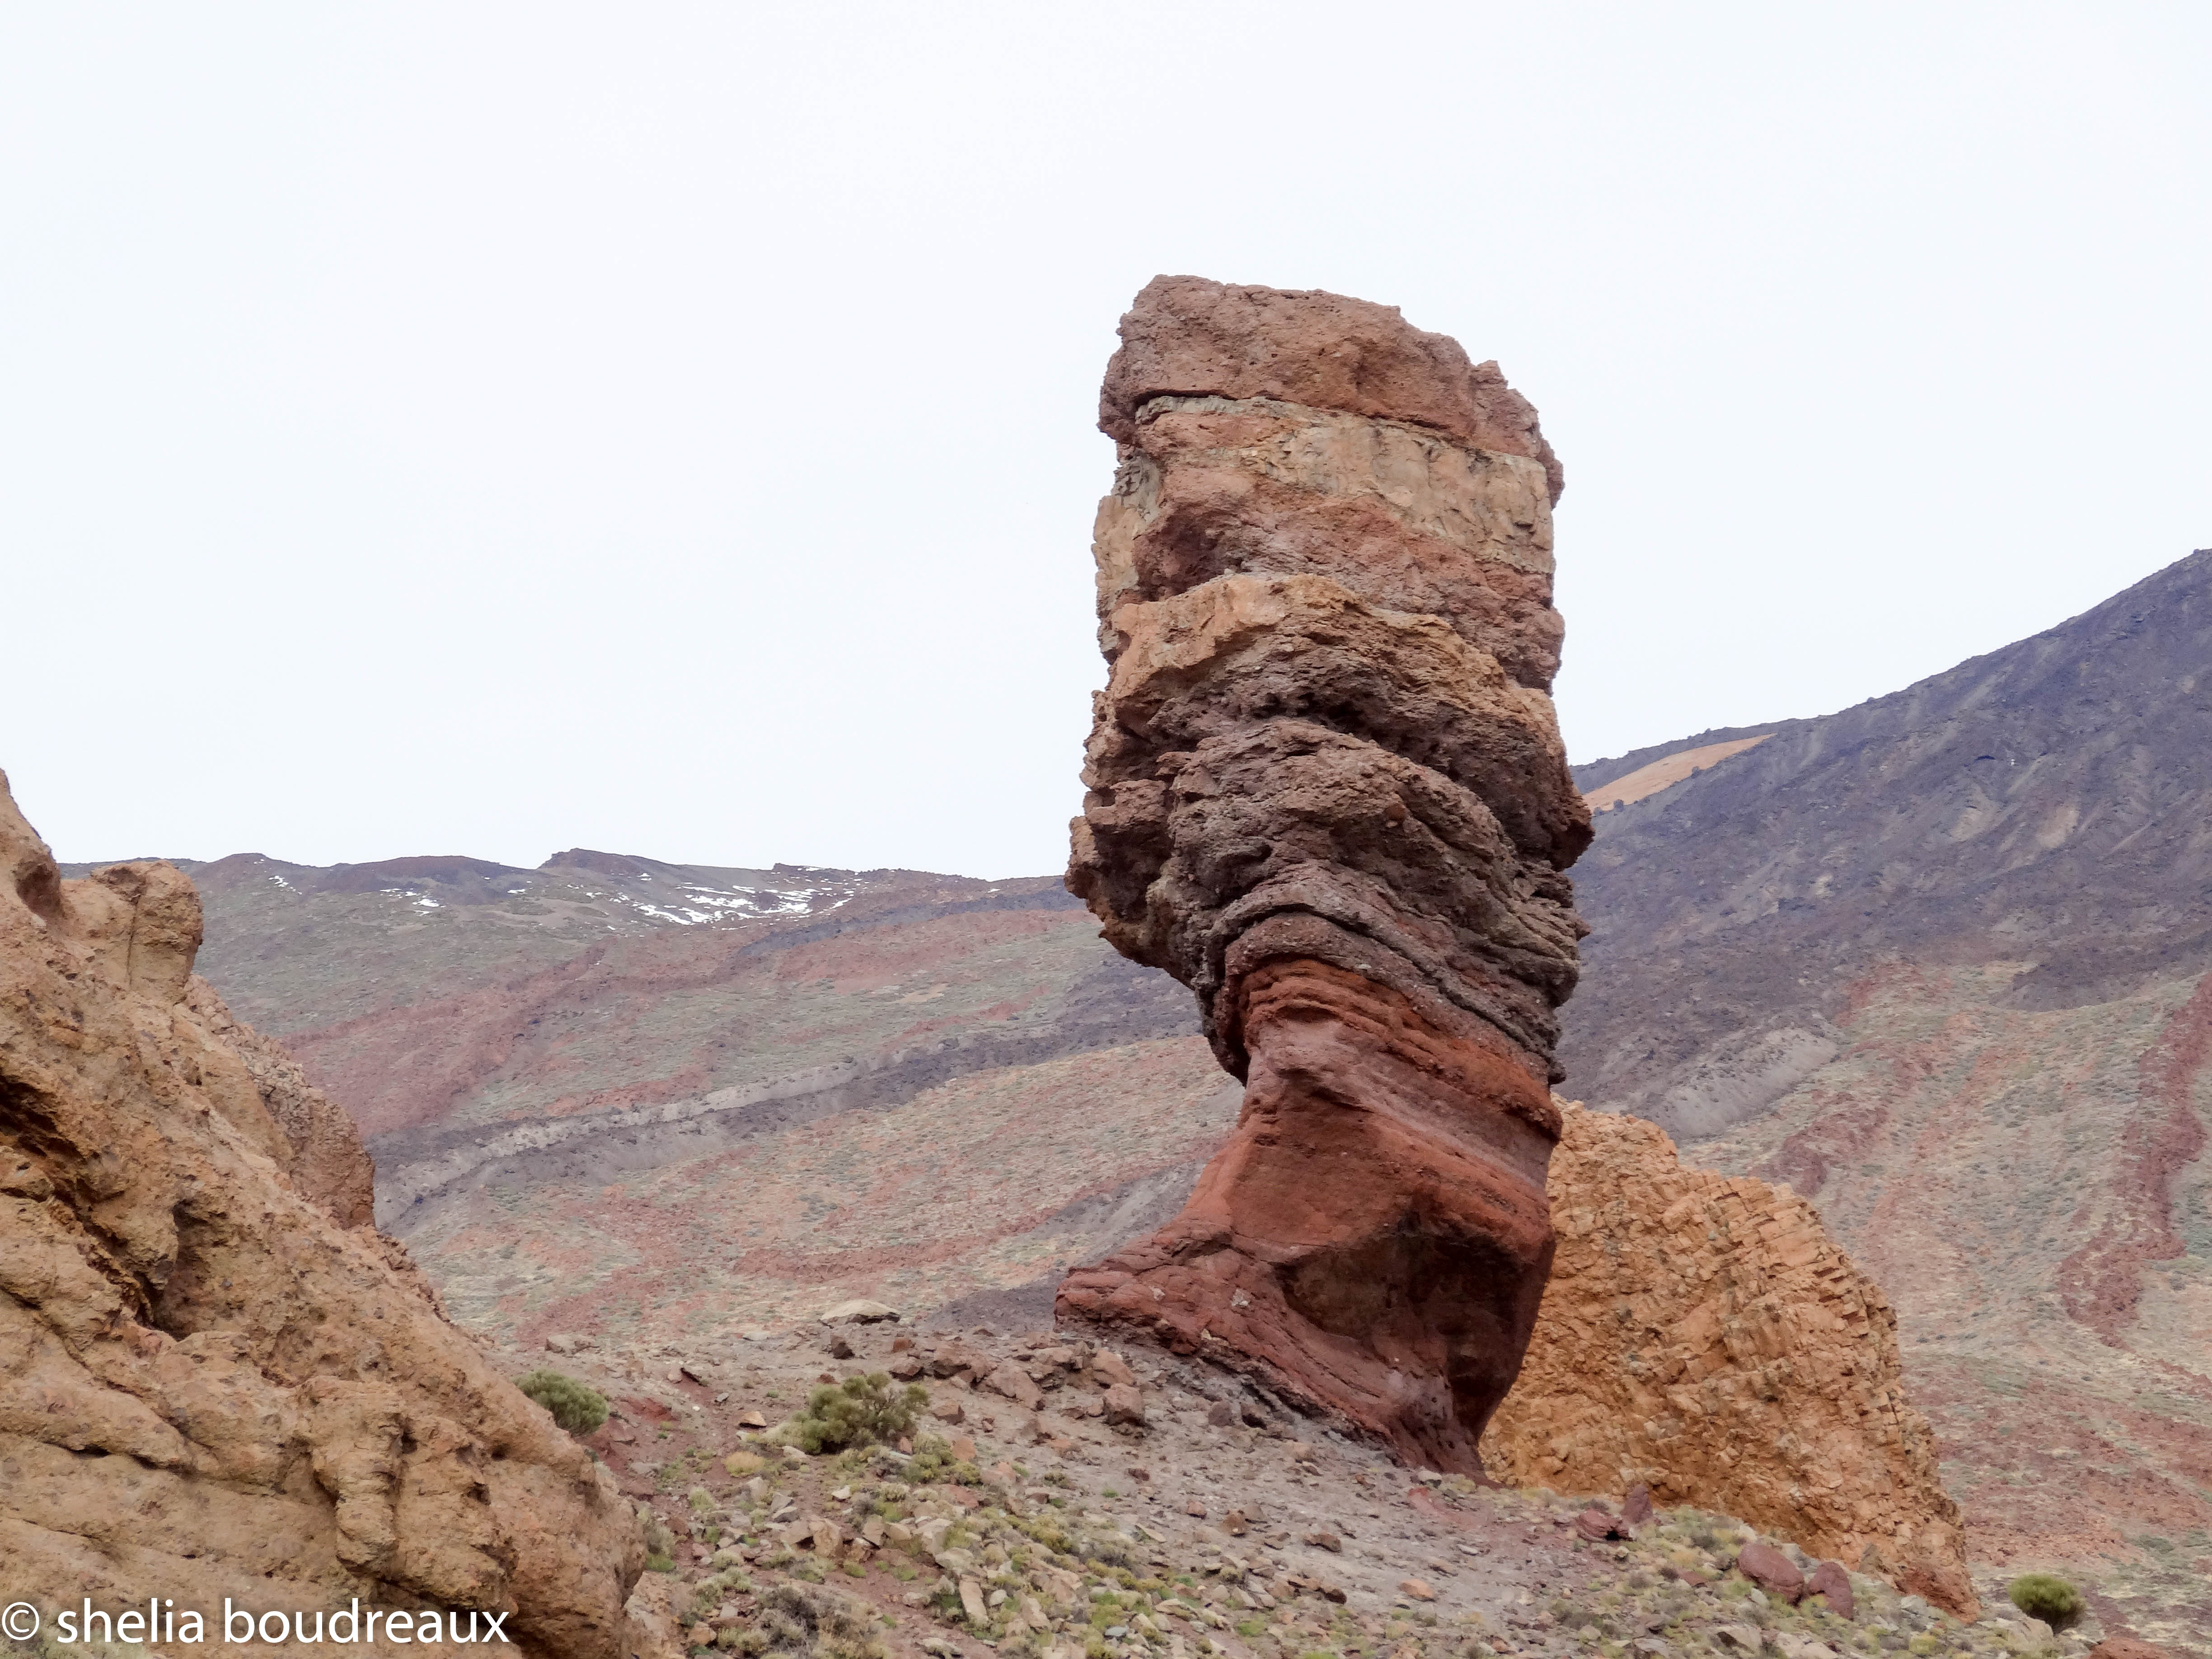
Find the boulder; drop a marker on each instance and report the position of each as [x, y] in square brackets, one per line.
[1771, 1571]
[1830, 1582]
[237, 1376]
[1124, 1405]
[858, 1312]
[2127, 1647]
[1768, 1382]
[1010, 1380]
[956, 1357]
[1597, 1526]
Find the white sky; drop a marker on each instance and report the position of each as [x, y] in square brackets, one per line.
[669, 429]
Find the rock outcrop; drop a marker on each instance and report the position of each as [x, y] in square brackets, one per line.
[1326, 793]
[215, 1381]
[1702, 1335]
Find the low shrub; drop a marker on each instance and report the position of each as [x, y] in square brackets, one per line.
[576, 1407]
[799, 1621]
[2046, 1596]
[860, 1411]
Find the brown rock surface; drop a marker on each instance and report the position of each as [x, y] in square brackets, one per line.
[1703, 1336]
[1326, 793]
[214, 1376]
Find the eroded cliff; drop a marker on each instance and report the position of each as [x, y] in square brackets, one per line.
[215, 1380]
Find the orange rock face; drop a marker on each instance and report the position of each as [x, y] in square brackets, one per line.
[1702, 1335]
[1326, 793]
[215, 1379]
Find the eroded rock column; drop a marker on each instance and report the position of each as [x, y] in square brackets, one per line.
[1327, 792]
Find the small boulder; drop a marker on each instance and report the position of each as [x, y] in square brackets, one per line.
[1636, 1507]
[953, 1357]
[1418, 1589]
[1125, 1405]
[1742, 1638]
[1595, 1524]
[2127, 1647]
[840, 1346]
[1110, 1368]
[859, 1312]
[906, 1368]
[1221, 1414]
[1833, 1584]
[949, 1410]
[1011, 1381]
[1771, 1571]
[971, 1603]
[1325, 1540]
[564, 1342]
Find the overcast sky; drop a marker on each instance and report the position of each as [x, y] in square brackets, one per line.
[670, 429]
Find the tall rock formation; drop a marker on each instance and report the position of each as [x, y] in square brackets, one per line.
[1702, 1335]
[1326, 793]
[215, 1380]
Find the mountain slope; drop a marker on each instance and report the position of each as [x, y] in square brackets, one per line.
[2044, 806]
[631, 1096]
[1939, 962]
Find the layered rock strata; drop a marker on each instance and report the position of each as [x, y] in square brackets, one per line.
[1326, 793]
[215, 1380]
[1703, 1336]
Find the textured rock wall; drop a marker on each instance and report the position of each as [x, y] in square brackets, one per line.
[1703, 1336]
[214, 1381]
[1327, 792]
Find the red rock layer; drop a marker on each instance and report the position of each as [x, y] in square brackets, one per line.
[1326, 793]
[1374, 1234]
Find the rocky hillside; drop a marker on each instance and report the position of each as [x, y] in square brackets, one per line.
[566, 1073]
[1059, 1498]
[1938, 963]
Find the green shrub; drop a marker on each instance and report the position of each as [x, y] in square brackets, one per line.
[859, 1412]
[2046, 1596]
[576, 1407]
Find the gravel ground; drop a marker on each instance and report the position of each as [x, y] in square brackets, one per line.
[1018, 1518]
